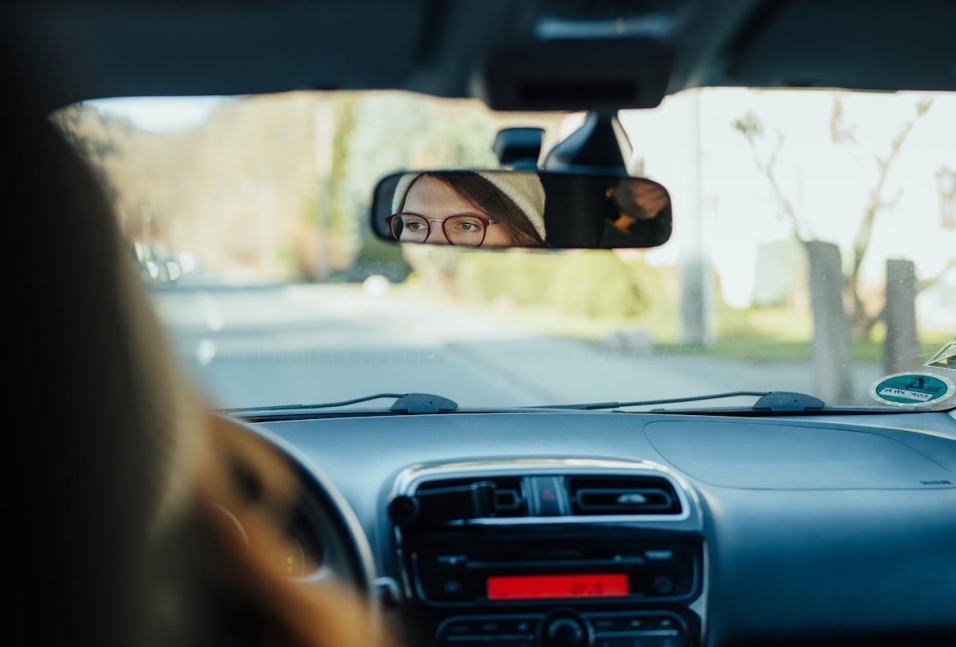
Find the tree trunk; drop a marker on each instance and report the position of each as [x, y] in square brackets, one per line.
[831, 331]
[901, 347]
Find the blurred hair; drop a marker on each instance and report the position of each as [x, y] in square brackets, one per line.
[123, 470]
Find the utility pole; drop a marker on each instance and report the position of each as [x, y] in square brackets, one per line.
[324, 157]
[697, 325]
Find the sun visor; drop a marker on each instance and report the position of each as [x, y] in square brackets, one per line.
[569, 74]
[880, 45]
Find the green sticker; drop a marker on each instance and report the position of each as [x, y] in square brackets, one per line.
[912, 388]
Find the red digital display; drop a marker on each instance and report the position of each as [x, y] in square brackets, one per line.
[531, 587]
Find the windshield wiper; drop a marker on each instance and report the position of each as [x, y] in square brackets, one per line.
[768, 401]
[404, 403]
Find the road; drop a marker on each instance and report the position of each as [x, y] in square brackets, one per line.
[290, 344]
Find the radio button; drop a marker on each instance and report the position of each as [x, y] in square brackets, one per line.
[672, 641]
[663, 584]
[478, 628]
[452, 560]
[619, 622]
[638, 630]
[631, 623]
[457, 629]
[547, 496]
[518, 626]
[626, 641]
[486, 641]
[641, 640]
[605, 624]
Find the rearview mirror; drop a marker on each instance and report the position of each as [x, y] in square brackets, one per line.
[505, 208]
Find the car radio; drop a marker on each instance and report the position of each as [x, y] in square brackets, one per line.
[551, 554]
[517, 566]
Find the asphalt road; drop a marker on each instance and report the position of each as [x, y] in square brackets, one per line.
[301, 344]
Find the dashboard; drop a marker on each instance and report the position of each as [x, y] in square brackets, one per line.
[606, 529]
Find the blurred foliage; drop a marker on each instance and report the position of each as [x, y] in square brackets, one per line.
[96, 137]
[590, 283]
[379, 257]
[279, 185]
[513, 279]
[288, 260]
[596, 283]
[749, 125]
[766, 348]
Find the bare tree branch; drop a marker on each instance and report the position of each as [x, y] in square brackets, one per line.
[875, 205]
[933, 280]
[751, 128]
[839, 132]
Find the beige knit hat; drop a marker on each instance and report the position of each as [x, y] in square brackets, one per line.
[523, 187]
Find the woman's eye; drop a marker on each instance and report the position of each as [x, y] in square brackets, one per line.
[414, 226]
[469, 227]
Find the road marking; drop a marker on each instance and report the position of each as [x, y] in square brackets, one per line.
[206, 352]
[214, 319]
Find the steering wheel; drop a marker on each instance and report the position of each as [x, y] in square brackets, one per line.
[319, 536]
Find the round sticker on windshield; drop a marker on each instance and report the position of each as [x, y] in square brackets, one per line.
[912, 388]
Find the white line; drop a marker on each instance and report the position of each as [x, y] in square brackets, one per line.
[214, 319]
[206, 352]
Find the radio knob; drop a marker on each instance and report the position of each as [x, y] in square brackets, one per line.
[566, 632]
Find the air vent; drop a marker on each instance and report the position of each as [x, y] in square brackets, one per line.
[507, 494]
[616, 495]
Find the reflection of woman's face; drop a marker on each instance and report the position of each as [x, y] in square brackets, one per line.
[436, 201]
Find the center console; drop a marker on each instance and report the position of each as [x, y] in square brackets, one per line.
[551, 553]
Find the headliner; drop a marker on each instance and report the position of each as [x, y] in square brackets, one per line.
[91, 49]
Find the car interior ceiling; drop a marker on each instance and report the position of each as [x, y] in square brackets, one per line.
[78, 51]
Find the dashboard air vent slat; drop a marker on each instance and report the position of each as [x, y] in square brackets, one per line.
[627, 495]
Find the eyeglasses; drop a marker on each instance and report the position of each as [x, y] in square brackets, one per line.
[467, 230]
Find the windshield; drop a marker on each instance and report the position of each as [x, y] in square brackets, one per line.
[813, 250]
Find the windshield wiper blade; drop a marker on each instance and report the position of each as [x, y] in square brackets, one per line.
[768, 401]
[404, 403]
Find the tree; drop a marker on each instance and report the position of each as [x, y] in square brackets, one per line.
[94, 136]
[861, 315]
